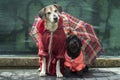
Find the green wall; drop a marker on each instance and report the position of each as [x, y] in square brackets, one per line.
[16, 18]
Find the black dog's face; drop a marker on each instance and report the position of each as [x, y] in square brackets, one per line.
[73, 46]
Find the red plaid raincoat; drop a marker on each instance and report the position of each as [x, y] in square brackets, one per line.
[91, 47]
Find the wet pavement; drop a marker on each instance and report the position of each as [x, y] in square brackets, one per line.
[33, 74]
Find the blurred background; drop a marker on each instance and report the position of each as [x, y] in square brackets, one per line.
[17, 16]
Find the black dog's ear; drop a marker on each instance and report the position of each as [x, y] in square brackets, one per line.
[58, 7]
[42, 13]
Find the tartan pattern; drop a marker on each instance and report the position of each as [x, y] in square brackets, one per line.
[33, 31]
[90, 43]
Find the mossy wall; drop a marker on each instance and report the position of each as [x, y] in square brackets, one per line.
[17, 16]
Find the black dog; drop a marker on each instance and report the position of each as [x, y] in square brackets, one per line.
[73, 51]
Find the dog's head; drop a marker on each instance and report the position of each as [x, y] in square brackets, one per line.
[51, 13]
[73, 45]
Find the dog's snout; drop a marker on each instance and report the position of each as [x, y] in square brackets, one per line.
[55, 18]
[74, 41]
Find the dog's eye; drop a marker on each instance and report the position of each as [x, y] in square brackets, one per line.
[55, 10]
[49, 13]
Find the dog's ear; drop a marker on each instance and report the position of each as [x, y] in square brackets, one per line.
[58, 7]
[42, 13]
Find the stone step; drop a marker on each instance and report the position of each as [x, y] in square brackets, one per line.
[32, 62]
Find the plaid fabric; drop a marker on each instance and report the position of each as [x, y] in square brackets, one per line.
[34, 32]
[90, 43]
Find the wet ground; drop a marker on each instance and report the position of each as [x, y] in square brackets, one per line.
[33, 74]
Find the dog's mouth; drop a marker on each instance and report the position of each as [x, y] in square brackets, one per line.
[55, 19]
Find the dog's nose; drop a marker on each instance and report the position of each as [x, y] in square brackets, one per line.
[55, 18]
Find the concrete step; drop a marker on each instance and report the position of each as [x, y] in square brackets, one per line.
[32, 62]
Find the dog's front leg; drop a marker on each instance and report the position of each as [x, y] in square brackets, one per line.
[58, 72]
[43, 70]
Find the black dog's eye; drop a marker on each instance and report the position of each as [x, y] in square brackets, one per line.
[55, 10]
[49, 13]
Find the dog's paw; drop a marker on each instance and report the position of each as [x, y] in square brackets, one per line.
[86, 69]
[80, 73]
[39, 69]
[42, 74]
[59, 74]
[67, 72]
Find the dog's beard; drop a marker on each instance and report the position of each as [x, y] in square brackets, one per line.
[73, 46]
[73, 52]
